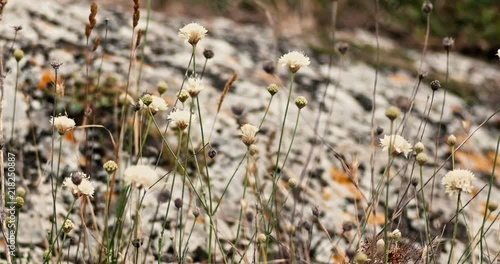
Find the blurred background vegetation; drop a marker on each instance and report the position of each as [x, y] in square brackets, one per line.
[475, 24]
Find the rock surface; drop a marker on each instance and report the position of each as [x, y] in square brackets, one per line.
[53, 31]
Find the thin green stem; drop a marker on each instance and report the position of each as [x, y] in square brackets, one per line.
[61, 249]
[15, 100]
[245, 184]
[52, 242]
[455, 228]
[388, 179]
[426, 219]
[492, 181]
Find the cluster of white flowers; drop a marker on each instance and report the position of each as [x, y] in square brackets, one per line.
[248, 134]
[181, 117]
[157, 104]
[141, 176]
[83, 187]
[194, 86]
[192, 33]
[458, 180]
[294, 60]
[397, 144]
[62, 124]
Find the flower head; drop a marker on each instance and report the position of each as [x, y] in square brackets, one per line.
[456, 181]
[498, 53]
[181, 118]
[62, 124]
[141, 176]
[85, 187]
[192, 33]
[248, 134]
[156, 105]
[194, 86]
[396, 143]
[68, 225]
[294, 60]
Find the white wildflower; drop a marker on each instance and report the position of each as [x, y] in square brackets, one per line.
[456, 181]
[181, 118]
[141, 176]
[192, 33]
[498, 53]
[248, 134]
[157, 104]
[294, 60]
[62, 124]
[194, 86]
[81, 186]
[396, 143]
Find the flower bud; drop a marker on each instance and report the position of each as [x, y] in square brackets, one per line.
[452, 140]
[196, 212]
[19, 202]
[253, 150]
[300, 102]
[427, 7]
[18, 55]
[68, 226]
[208, 54]
[492, 206]
[161, 87]
[421, 158]
[178, 203]
[272, 89]
[147, 99]
[360, 258]
[392, 112]
[380, 246]
[183, 96]
[20, 191]
[292, 182]
[110, 166]
[419, 147]
[435, 85]
[269, 67]
[261, 238]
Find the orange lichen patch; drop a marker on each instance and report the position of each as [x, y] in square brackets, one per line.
[46, 78]
[377, 220]
[340, 177]
[401, 79]
[479, 162]
[327, 195]
[70, 136]
[200, 220]
[338, 258]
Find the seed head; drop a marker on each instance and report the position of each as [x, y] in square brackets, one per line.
[68, 226]
[269, 67]
[212, 153]
[178, 203]
[208, 54]
[427, 7]
[342, 47]
[414, 182]
[448, 43]
[435, 85]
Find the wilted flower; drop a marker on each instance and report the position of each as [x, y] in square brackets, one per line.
[157, 104]
[141, 176]
[62, 124]
[294, 60]
[248, 134]
[192, 33]
[194, 86]
[181, 118]
[397, 144]
[85, 187]
[456, 181]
